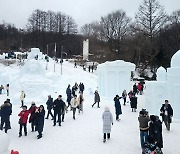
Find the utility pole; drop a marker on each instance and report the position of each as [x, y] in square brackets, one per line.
[55, 56]
[61, 58]
[47, 59]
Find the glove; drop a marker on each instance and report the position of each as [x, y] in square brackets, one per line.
[112, 123]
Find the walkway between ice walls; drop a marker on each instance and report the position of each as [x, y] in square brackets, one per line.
[167, 86]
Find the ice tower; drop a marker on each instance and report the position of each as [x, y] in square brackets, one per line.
[166, 87]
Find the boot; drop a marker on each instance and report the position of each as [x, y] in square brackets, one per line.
[39, 136]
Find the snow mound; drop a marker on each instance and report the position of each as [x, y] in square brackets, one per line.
[35, 52]
[32, 67]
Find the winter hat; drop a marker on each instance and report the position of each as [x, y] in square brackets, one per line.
[8, 100]
[153, 118]
[106, 108]
[33, 103]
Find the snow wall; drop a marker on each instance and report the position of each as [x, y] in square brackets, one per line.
[114, 77]
[166, 87]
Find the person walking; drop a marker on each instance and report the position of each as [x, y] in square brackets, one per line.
[64, 109]
[5, 115]
[1, 88]
[58, 107]
[96, 99]
[117, 106]
[107, 122]
[74, 104]
[75, 89]
[7, 89]
[75, 64]
[49, 104]
[22, 96]
[135, 90]
[143, 127]
[124, 95]
[81, 88]
[133, 101]
[40, 120]
[69, 95]
[23, 120]
[155, 130]
[33, 117]
[80, 102]
[167, 114]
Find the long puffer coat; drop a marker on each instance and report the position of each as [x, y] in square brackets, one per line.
[40, 121]
[117, 105]
[107, 121]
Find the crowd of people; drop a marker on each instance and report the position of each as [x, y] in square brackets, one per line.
[151, 138]
[36, 115]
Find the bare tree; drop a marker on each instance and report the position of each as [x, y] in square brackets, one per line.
[175, 17]
[60, 23]
[71, 26]
[114, 28]
[150, 17]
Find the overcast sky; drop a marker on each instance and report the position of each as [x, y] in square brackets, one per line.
[83, 11]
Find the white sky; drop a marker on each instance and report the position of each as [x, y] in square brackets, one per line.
[83, 11]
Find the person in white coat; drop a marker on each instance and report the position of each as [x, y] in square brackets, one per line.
[22, 96]
[74, 104]
[107, 121]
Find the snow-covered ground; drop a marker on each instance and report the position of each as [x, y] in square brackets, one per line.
[83, 135]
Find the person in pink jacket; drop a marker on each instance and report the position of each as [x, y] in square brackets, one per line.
[23, 120]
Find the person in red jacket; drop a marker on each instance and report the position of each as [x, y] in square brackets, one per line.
[139, 87]
[23, 120]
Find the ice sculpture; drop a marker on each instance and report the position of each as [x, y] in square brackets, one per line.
[166, 87]
[114, 77]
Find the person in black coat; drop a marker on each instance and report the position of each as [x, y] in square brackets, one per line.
[133, 101]
[135, 88]
[69, 95]
[167, 114]
[58, 107]
[40, 120]
[117, 106]
[6, 111]
[49, 104]
[81, 88]
[155, 130]
[33, 117]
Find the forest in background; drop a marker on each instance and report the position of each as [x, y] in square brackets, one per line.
[148, 40]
